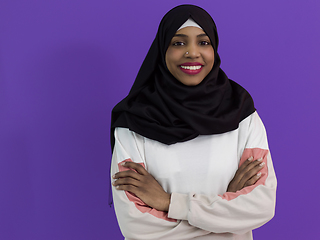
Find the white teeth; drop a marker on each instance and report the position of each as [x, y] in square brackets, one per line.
[191, 67]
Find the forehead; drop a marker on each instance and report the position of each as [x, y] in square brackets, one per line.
[190, 31]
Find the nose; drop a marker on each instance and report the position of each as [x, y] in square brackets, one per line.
[193, 51]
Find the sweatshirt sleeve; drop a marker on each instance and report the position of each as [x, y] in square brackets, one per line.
[136, 219]
[238, 212]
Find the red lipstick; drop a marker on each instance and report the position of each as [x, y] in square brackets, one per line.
[191, 68]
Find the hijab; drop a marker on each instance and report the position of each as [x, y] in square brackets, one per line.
[161, 108]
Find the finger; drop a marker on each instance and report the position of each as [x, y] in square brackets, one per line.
[136, 167]
[127, 174]
[246, 163]
[243, 169]
[251, 172]
[253, 180]
[248, 171]
[253, 164]
[126, 181]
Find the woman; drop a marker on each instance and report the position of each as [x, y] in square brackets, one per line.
[190, 153]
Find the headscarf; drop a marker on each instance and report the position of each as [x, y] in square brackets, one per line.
[161, 108]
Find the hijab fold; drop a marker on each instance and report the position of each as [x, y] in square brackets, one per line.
[161, 108]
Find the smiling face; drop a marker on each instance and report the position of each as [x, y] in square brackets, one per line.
[190, 56]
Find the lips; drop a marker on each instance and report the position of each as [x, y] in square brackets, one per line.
[191, 68]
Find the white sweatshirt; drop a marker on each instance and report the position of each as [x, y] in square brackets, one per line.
[196, 173]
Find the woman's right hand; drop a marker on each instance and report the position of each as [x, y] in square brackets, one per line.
[246, 175]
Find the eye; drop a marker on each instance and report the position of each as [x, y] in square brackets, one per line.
[178, 44]
[204, 43]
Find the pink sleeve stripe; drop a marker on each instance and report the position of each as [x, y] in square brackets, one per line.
[256, 153]
[140, 205]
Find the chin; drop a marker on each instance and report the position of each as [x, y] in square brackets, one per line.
[192, 82]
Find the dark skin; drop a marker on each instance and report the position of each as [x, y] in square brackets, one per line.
[246, 175]
[146, 187]
[143, 184]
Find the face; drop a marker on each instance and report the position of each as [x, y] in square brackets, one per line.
[190, 56]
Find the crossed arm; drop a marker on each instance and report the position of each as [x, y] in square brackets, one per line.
[146, 211]
[139, 182]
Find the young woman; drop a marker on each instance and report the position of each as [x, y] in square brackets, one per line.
[190, 153]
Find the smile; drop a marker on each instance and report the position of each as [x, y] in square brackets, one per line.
[191, 69]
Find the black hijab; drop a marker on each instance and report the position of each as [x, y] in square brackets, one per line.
[161, 108]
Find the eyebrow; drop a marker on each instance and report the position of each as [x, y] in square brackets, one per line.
[183, 35]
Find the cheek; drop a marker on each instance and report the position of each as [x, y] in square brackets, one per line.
[171, 60]
[169, 57]
[174, 55]
[210, 58]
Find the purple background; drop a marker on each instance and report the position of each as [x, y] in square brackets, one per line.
[65, 64]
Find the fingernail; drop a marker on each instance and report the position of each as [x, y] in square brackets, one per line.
[261, 164]
[259, 174]
[113, 183]
[260, 159]
[117, 186]
[113, 176]
[122, 164]
[250, 158]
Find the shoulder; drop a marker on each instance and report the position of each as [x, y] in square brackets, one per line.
[125, 133]
[126, 137]
[128, 144]
[253, 129]
[252, 120]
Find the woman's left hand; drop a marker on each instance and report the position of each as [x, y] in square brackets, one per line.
[143, 185]
[246, 175]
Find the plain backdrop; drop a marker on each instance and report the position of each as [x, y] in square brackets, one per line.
[65, 64]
